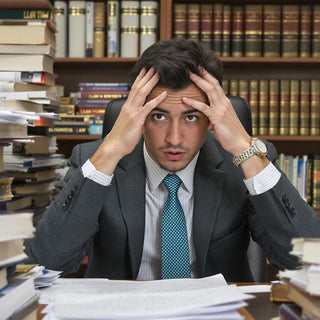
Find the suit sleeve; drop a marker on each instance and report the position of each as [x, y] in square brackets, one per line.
[279, 215]
[64, 233]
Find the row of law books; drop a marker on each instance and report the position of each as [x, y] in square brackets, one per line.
[303, 172]
[251, 30]
[111, 28]
[280, 107]
[303, 284]
[85, 114]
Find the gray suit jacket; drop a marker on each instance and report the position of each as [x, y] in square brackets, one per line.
[108, 222]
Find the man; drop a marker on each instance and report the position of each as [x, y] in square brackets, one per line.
[116, 200]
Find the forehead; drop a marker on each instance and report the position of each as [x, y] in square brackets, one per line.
[174, 96]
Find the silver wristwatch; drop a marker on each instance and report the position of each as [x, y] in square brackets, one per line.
[257, 147]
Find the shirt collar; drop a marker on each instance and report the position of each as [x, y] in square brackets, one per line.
[155, 174]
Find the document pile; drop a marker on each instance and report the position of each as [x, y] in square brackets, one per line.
[205, 298]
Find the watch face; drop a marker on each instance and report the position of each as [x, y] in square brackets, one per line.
[261, 146]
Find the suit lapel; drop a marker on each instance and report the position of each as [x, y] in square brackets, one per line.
[208, 190]
[131, 190]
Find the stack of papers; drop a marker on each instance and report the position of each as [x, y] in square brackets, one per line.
[205, 298]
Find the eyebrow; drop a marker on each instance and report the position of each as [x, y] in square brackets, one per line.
[184, 112]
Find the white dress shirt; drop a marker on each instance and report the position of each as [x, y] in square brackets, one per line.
[156, 194]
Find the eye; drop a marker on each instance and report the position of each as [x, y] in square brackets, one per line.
[191, 118]
[158, 116]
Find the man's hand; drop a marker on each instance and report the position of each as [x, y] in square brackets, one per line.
[226, 125]
[128, 128]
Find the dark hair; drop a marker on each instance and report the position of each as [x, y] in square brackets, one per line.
[173, 59]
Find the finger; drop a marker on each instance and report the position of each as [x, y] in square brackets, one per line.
[200, 106]
[148, 107]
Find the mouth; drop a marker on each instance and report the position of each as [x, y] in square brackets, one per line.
[173, 155]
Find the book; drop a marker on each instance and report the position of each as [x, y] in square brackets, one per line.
[237, 30]
[180, 20]
[294, 107]
[16, 203]
[316, 31]
[90, 5]
[22, 62]
[284, 107]
[28, 311]
[61, 16]
[33, 188]
[217, 28]
[99, 29]
[271, 30]
[148, 24]
[69, 129]
[35, 35]
[31, 4]
[51, 24]
[5, 188]
[10, 86]
[18, 292]
[26, 14]
[306, 301]
[35, 96]
[226, 30]
[13, 131]
[129, 28]
[304, 111]
[42, 78]
[13, 160]
[3, 277]
[40, 145]
[253, 30]
[16, 225]
[316, 181]
[21, 105]
[274, 103]
[113, 13]
[307, 249]
[206, 14]
[305, 30]
[254, 104]
[278, 292]
[36, 176]
[193, 21]
[28, 49]
[77, 28]
[290, 31]
[263, 112]
[315, 108]
[11, 252]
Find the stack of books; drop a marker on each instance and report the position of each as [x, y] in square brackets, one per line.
[303, 285]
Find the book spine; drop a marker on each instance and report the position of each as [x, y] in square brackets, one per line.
[315, 108]
[244, 89]
[91, 110]
[70, 129]
[99, 27]
[294, 107]
[263, 107]
[61, 16]
[226, 31]
[271, 30]
[225, 86]
[305, 30]
[316, 182]
[180, 20]
[148, 24]
[129, 31]
[253, 30]
[316, 31]
[99, 95]
[77, 28]
[305, 92]
[217, 28]
[274, 96]
[290, 31]
[89, 28]
[206, 14]
[113, 28]
[193, 21]
[254, 103]
[234, 87]
[284, 107]
[237, 32]
[27, 14]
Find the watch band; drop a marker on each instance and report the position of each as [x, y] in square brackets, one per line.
[246, 154]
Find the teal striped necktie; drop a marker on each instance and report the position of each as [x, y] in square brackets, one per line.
[174, 237]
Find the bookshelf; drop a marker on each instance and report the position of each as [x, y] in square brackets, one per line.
[73, 70]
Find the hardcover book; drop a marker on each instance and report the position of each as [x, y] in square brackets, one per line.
[193, 21]
[305, 30]
[272, 30]
[226, 30]
[99, 29]
[61, 18]
[113, 13]
[180, 20]
[217, 28]
[206, 14]
[237, 31]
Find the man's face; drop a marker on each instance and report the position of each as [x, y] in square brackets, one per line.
[174, 132]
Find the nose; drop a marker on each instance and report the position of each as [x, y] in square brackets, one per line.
[174, 133]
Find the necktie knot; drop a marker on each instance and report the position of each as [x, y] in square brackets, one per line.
[172, 183]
